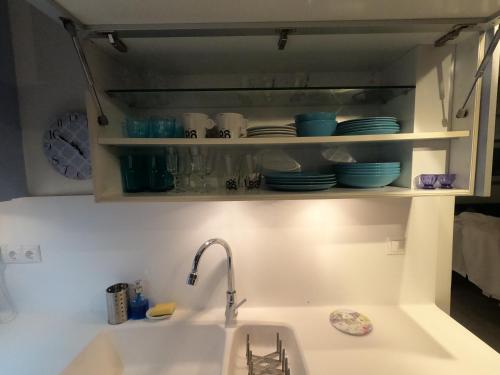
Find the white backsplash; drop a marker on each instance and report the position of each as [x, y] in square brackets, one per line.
[286, 253]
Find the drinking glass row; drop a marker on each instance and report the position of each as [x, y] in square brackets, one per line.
[192, 125]
[189, 170]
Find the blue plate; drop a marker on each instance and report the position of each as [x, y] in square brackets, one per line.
[316, 116]
[360, 128]
[369, 119]
[305, 187]
[299, 175]
[360, 122]
[371, 173]
[370, 165]
[362, 125]
[367, 181]
[371, 132]
[292, 182]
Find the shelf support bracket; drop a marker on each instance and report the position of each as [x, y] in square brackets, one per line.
[463, 112]
[452, 34]
[70, 27]
[283, 38]
[116, 42]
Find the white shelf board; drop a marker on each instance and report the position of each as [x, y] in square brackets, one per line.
[123, 141]
[264, 194]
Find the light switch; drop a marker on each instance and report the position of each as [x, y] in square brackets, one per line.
[395, 247]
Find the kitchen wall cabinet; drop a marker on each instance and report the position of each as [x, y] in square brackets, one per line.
[12, 171]
[161, 62]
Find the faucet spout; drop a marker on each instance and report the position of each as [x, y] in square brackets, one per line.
[231, 305]
[193, 276]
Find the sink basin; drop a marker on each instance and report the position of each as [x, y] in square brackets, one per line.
[187, 349]
[263, 342]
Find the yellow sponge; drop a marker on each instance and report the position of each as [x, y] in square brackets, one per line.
[162, 309]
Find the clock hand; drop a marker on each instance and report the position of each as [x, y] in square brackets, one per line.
[72, 144]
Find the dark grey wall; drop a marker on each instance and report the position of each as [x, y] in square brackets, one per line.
[12, 172]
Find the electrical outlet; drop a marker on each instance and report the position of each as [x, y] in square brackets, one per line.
[21, 253]
[395, 247]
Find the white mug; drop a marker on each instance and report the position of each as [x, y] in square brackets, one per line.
[231, 125]
[196, 125]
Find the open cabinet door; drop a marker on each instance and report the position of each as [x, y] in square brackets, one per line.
[471, 159]
[12, 171]
[487, 118]
[118, 12]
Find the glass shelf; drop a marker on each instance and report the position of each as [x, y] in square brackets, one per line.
[332, 97]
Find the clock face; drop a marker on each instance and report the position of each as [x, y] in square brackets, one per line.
[66, 145]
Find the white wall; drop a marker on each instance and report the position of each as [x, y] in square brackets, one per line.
[286, 253]
[50, 83]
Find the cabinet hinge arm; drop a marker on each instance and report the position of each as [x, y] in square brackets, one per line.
[116, 42]
[69, 26]
[283, 38]
[463, 112]
[452, 34]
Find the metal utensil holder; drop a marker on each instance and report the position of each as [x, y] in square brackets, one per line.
[117, 303]
[275, 363]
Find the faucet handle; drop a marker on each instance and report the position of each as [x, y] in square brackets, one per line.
[239, 304]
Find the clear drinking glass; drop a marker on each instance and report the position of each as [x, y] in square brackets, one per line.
[231, 179]
[173, 168]
[184, 164]
[209, 162]
[197, 170]
[250, 175]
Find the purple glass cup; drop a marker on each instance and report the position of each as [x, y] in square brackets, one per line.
[428, 180]
[446, 180]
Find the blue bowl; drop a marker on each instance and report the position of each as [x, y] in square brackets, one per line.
[316, 128]
[332, 116]
[366, 181]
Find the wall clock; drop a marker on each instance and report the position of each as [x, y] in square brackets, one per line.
[66, 146]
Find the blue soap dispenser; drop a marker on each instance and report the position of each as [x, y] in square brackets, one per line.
[138, 304]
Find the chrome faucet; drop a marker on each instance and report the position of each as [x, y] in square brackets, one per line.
[231, 306]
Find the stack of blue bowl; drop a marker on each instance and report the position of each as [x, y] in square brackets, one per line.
[369, 125]
[299, 181]
[316, 124]
[367, 175]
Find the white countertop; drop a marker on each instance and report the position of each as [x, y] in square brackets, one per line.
[416, 339]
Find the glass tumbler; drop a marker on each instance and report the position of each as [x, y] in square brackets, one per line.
[137, 128]
[231, 178]
[134, 173]
[162, 127]
[159, 178]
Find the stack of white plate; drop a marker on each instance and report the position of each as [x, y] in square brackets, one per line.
[263, 131]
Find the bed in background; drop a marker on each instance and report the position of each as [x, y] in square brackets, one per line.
[476, 246]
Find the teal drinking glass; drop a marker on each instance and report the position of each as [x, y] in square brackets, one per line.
[159, 178]
[162, 127]
[133, 170]
[137, 128]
